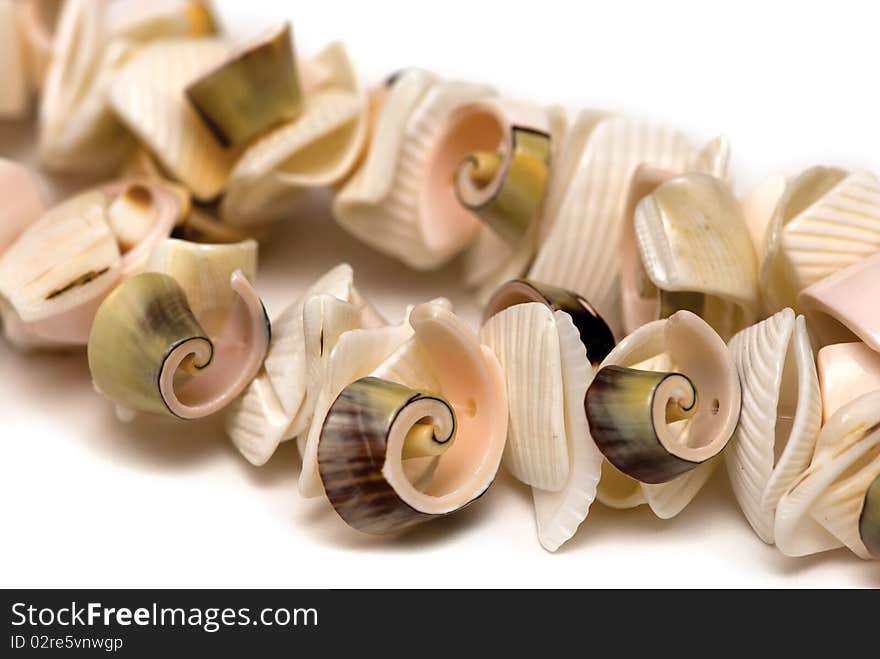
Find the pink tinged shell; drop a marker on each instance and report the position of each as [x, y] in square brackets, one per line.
[22, 201]
[844, 305]
[846, 371]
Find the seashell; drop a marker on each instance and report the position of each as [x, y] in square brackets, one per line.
[253, 90]
[139, 21]
[186, 337]
[780, 418]
[713, 159]
[148, 95]
[838, 308]
[696, 254]
[834, 502]
[632, 412]
[826, 221]
[201, 226]
[846, 372]
[402, 201]
[575, 254]
[36, 28]
[276, 406]
[77, 129]
[758, 206]
[593, 331]
[366, 481]
[22, 201]
[14, 88]
[646, 349]
[55, 275]
[317, 149]
[549, 446]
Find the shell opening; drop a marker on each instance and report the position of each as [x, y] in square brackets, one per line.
[429, 435]
[224, 365]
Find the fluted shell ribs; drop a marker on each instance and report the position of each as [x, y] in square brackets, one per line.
[62, 266]
[277, 406]
[664, 402]
[695, 253]
[77, 129]
[362, 439]
[402, 201]
[14, 89]
[578, 253]
[539, 336]
[184, 338]
[834, 502]
[838, 306]
[780, 418]
[148, 95]
[827, 220]
[22, 201]
[318, 148]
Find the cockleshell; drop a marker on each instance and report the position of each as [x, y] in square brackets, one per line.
[660, 356]
[837, 306]
[827, 220]
[77, 129]
[148, 95]
[22, 201]
[693, 252]
[277, 406]
[14, 88]
[548, 445]
[846, 371]
[184, 338]
[575, 255]
[366, 481]
[62, 266]
[319, 148]
[253, 90]
[834, 502]
[414, 152]
[780, 418]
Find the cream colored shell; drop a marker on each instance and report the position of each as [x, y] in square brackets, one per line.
[780, 418]
[14, 88]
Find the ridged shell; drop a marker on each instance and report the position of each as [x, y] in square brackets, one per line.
[838, 308]
[559, 514]
[525, 339]
[827, 220]
[318, 148]
[576, 254]
[274, 408]
[381, 203]
[14, 89]
[147, 94]
[821, 511]
[77, 129]
[692, 238]
[778, 375]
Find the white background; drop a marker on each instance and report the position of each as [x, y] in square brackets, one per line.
[86, 501]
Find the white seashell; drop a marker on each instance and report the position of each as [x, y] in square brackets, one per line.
[319, 148]
[780, 418]
[147, 94]
[758, 206]
[576, 255]
[356, 355]
[846, 371]
[713, 159]
[821, 511]
[525, 338]
[77, 129]
[827, 220]
[694, 246]
[14, 87]
[22, 201]
[276, 407]
[385, 204]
